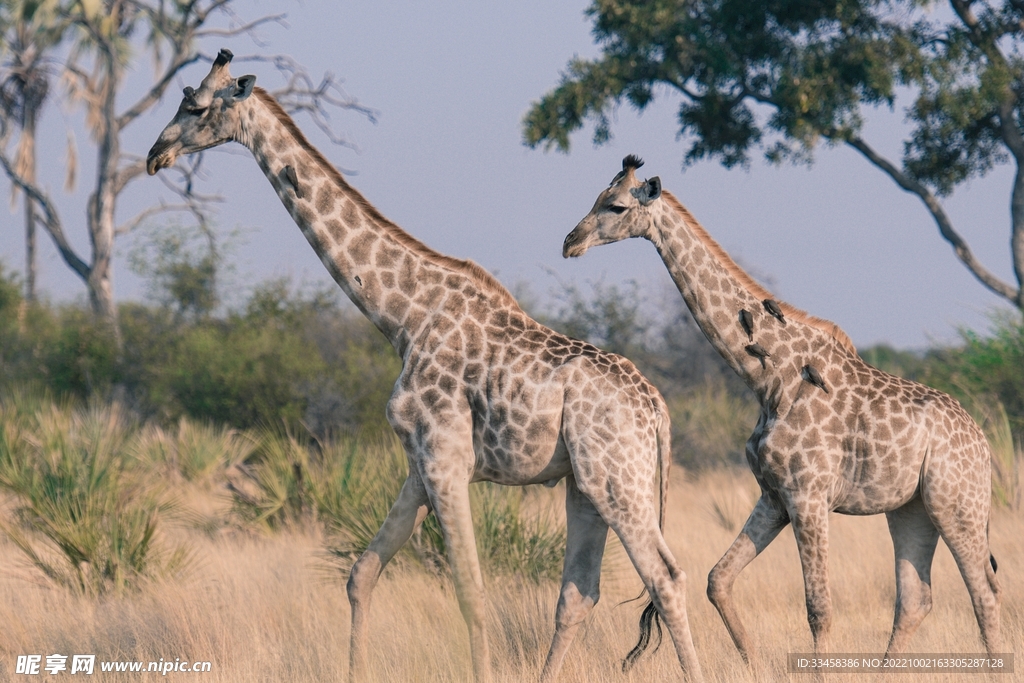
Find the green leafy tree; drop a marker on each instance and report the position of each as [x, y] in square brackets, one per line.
[182, 265]
[782, 77]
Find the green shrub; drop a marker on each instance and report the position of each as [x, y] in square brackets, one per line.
[84, 515]
[81, 358]
[285, 359]
[710, 426]
[193, 450]
[509, 540]
[270, 484]
[900, 363]
[10, 299]
[349, 486]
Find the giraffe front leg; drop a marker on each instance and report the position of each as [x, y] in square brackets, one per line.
[586, 533]
[762, 526]
[449, 492]
[810, 526]
[405, 515]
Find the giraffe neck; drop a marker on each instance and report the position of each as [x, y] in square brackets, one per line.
[391, 277]
[716, 290]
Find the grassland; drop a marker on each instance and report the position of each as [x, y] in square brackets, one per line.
[271, 607]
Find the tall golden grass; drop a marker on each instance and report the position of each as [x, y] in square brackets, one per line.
[269, 608]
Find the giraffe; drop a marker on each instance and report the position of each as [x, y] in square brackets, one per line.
[834, 433]
[485, 392]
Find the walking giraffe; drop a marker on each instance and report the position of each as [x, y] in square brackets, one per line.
[485, 393]
[834, 434]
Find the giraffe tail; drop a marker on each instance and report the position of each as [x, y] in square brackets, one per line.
[664, 459]
[990, 571]
[650, 620]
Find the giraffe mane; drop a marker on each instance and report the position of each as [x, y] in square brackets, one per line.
[466, 267]
[751, 285]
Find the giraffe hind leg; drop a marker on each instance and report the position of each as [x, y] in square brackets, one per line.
[914, 538]
[966, 534]
[664, 580]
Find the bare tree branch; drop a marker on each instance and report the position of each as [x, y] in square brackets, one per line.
[300, 94]
[137, 220]
[245, 28]
[960, 247]
[199, 205]
[94, 70]
[157, 91]
[128, 173]
[50, 219]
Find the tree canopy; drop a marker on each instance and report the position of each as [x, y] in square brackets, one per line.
[781, 77]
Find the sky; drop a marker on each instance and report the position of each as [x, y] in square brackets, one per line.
[451, 81]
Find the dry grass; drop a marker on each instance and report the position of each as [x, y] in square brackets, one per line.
[264, 609]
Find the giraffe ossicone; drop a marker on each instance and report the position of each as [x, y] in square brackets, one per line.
[834, 434]
[485, 392]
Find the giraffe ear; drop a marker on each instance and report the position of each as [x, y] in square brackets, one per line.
[243, 87]
[648, 192]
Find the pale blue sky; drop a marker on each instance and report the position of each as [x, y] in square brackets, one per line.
[452, 80]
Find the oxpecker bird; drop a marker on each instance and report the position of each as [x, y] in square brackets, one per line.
[289, 173]
[774, 310]
[758, 352]
[810, 374]
[747, 321]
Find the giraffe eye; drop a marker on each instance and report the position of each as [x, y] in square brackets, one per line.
[617, 209]
[198, 111]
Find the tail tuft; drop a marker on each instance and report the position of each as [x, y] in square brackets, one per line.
[650, 618]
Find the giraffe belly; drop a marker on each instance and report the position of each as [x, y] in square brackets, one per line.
[541, 463]
[883, 481]
[516, 444]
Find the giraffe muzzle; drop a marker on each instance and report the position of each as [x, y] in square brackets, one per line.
[160, 156]
[572, 246]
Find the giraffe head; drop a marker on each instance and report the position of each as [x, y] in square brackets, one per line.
[621, 211]
[206, 117]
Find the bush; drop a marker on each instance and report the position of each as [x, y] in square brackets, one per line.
[349, 486]
[84, 515]
[193, 451]
[710, 426]
[286, 358]
[988, 367]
